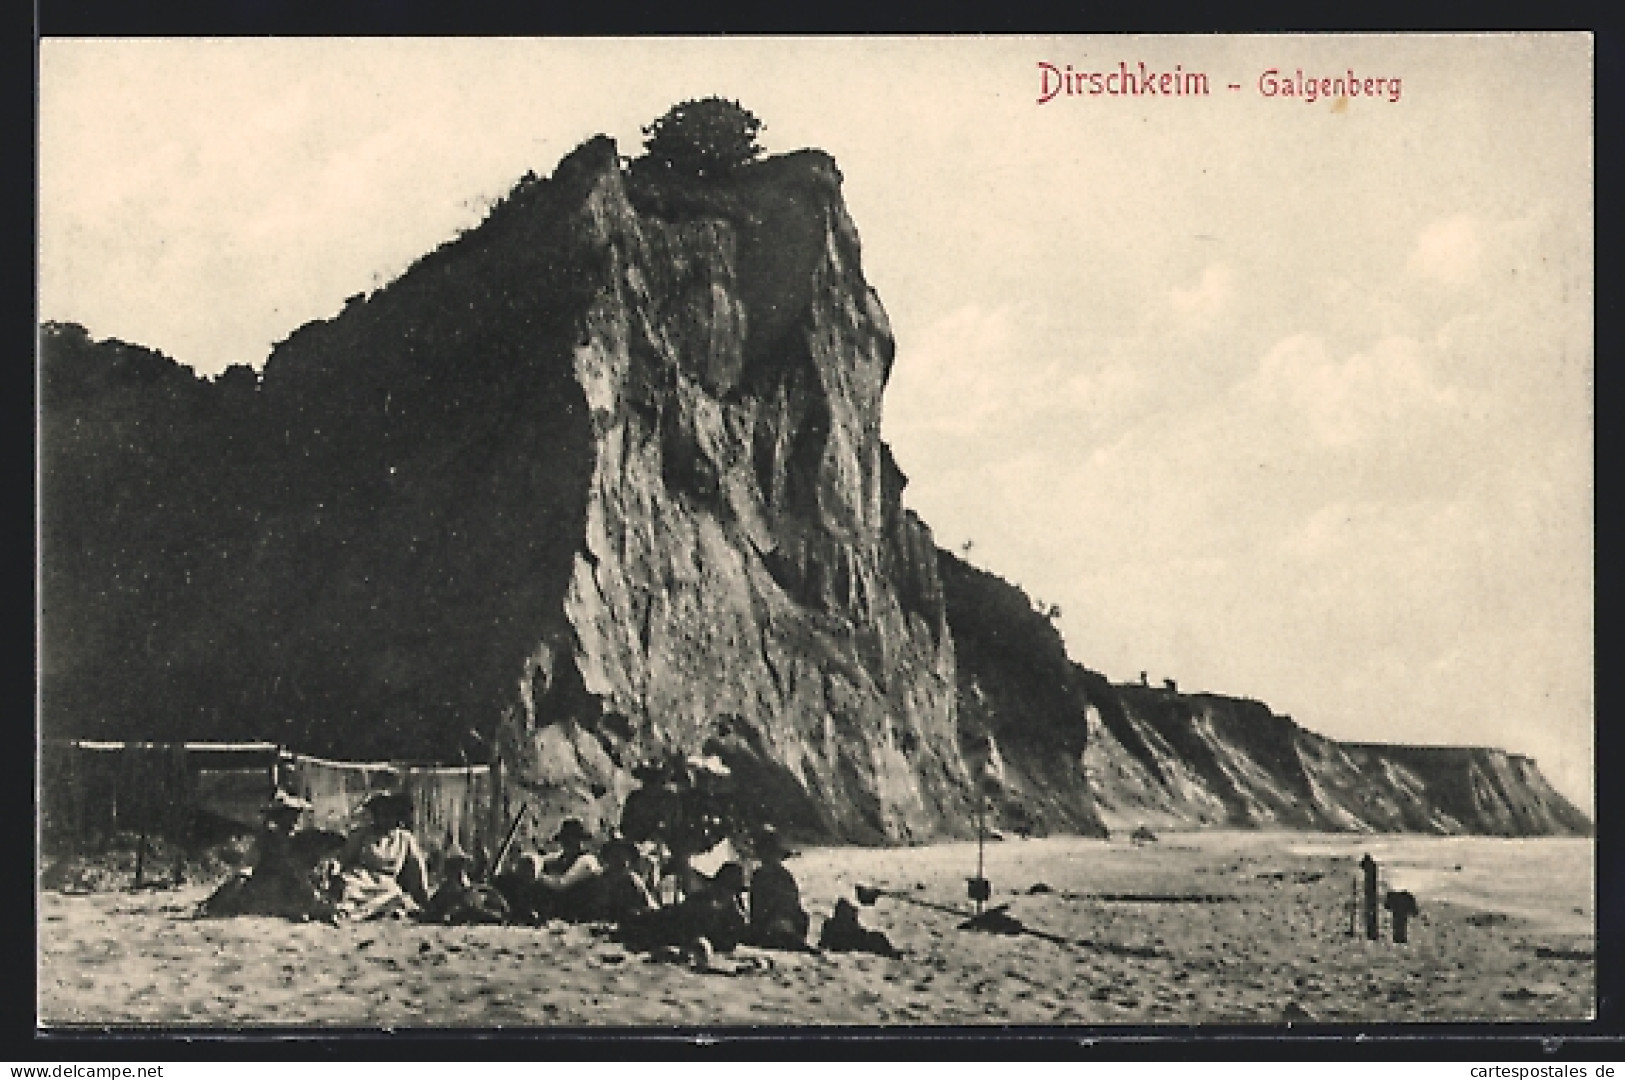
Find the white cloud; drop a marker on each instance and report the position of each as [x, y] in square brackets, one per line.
[1374, 394]
[1448, 251]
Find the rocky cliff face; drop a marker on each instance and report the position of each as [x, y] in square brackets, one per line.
[1160, 758]
[603, 479]
[747, 583]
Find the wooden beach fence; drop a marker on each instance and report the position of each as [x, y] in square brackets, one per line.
[451, 804]
[335, 789]
[93, 790]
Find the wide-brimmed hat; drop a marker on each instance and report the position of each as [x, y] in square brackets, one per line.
[571, 829]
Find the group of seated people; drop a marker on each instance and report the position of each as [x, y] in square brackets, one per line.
[379, 870]
[620, 884]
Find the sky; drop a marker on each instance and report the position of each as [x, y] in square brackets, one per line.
[1283, 398]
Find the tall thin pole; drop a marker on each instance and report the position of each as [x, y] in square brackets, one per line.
[1369, 866]
[981, 806]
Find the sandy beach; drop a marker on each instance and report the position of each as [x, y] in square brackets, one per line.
[1195, 928]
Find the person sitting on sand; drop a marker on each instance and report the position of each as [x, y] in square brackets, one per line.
[842, 932]
[459, 901]
[568, 885]
[279, 883]
[1404, 908]
[623, 892]
[715, 912]
[517, 886]
[719, 908]
[777, 919]
[380, 870]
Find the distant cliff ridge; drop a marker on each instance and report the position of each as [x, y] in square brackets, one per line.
[600, 480]
[1161, 758]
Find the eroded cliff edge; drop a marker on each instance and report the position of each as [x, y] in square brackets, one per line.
[1157, 757]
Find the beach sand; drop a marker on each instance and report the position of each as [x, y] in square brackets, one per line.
[1197, 928]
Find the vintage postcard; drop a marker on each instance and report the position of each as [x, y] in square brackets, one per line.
[716, 532]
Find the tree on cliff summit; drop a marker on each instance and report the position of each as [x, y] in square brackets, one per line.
[707, 137]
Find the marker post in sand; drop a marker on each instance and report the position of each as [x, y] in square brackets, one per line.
[1368, 866]
[979, 888]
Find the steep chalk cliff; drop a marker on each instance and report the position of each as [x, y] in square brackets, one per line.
[1160, 758]
[748, 583]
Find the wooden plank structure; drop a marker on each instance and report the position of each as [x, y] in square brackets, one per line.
[451, 804]
[94, 790]
[91, 791]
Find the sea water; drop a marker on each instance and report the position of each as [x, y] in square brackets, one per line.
[1551, 881]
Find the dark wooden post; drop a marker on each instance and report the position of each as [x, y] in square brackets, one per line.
[496, 819]
[1369, 866]
[184, 811]
[132, 760]
[977, 892]
[76, 793]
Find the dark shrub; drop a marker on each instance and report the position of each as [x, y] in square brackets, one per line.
[708, 137]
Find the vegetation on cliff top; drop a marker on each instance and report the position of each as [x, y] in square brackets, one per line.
[707, 137]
